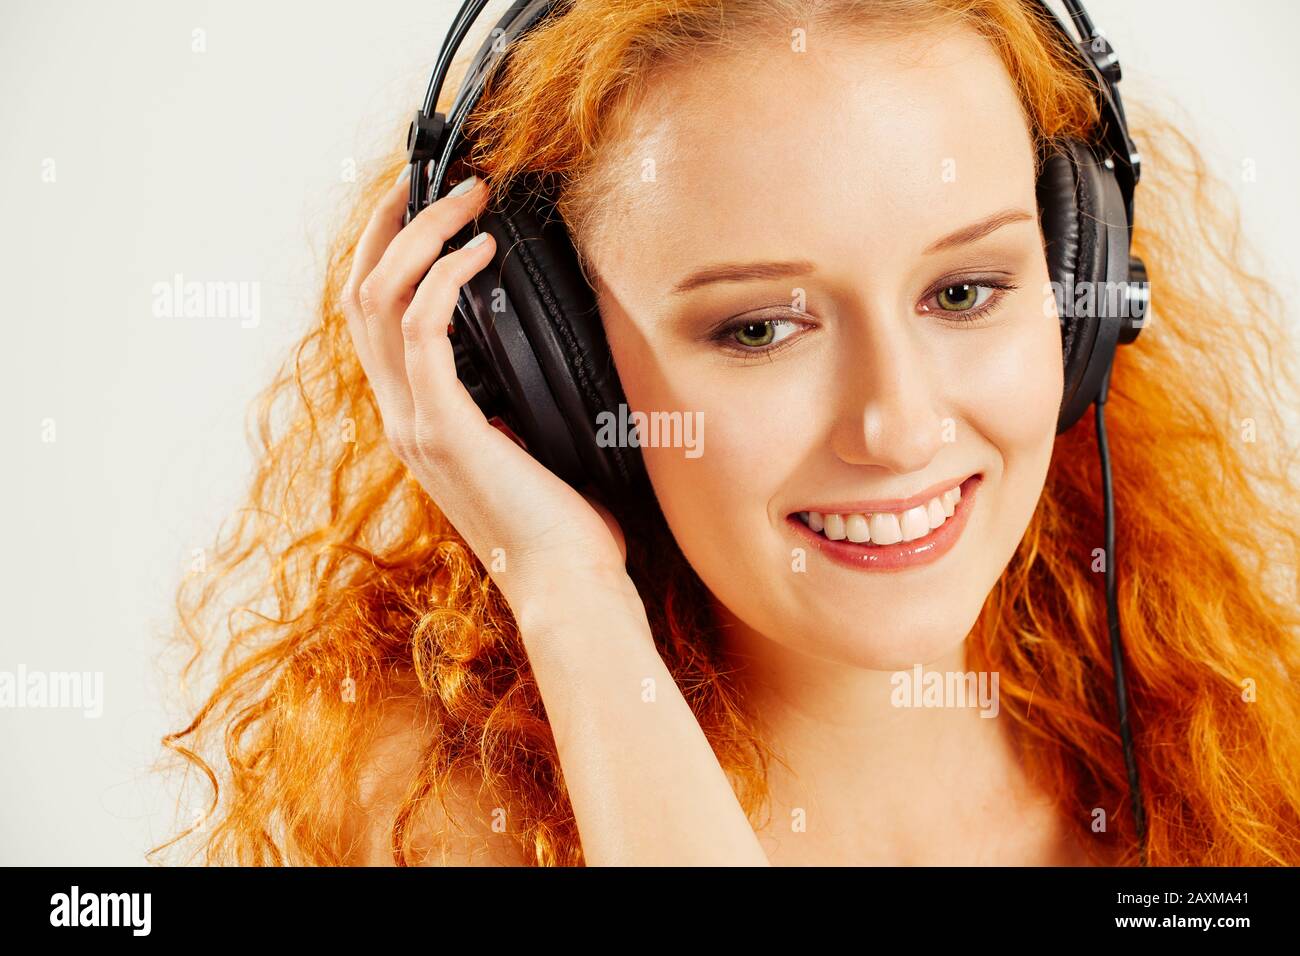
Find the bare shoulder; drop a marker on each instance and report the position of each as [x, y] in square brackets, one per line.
[455, 830]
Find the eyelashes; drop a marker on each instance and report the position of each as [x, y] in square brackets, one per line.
[726, 336]
[766, 341]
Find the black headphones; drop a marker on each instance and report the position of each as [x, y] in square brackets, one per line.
[528, 339]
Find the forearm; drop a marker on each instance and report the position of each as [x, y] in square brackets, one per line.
[645, 784]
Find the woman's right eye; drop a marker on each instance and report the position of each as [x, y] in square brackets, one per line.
[755, 336]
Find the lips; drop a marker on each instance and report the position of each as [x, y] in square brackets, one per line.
[895, 505]
[887, 552]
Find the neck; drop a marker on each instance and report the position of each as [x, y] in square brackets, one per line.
[880, 777]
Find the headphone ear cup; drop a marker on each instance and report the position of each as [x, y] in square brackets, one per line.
[1072, 198]
[558, 372]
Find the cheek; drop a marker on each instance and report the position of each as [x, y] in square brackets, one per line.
[1012, 405]
[1011, 384]
[742, 456]
[717, 493]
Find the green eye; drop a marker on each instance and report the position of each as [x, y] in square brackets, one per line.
[755, 335]
[962, 298]
[968, 301]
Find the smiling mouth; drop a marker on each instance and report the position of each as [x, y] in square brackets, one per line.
[891, 540]
[883, 528]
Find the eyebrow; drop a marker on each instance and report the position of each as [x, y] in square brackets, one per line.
[743, 271]
[978, 230]
[779, 269]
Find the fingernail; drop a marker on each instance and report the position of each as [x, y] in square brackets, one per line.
[464, 186]
[476, 241]
[402, 176]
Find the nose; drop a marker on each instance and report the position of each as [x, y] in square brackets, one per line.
[890, 401]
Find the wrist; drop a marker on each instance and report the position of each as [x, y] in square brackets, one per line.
[607, 604]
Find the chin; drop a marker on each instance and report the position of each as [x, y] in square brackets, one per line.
[886, 643]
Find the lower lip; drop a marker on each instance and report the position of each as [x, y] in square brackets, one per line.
[904, 554]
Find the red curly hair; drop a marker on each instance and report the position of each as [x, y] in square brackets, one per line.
[344, 588]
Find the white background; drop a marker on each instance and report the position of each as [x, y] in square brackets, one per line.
[229, 165]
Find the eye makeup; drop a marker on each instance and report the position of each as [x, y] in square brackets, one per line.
[724, 336]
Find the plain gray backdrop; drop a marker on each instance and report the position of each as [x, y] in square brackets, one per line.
[129, 156]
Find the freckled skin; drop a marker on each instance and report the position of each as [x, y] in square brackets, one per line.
[855, 155]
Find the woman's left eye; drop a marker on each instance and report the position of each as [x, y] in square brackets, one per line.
[967, 298]
[756, 336]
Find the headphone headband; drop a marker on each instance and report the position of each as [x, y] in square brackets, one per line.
[1098, 57]
[433, 135]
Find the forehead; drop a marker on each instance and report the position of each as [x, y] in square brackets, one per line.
[890, 142]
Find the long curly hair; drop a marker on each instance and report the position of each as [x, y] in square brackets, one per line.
[343, 587]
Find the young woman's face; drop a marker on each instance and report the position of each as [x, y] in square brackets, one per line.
[876, 180]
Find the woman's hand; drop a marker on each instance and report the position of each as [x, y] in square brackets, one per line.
[530, 528]
[646, 786]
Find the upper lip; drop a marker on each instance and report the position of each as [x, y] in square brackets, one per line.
[889, 504]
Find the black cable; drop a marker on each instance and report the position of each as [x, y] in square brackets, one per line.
[1112, 618]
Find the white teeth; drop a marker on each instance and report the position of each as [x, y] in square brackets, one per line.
[950, 499]
[915, 523]
[934, 511]
[855, 526]
[886, 527]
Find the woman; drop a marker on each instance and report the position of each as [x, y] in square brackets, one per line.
[467, 661]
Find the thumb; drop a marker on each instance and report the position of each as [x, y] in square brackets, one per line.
[587, 491]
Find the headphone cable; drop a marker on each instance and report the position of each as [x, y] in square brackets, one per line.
[1112, 618]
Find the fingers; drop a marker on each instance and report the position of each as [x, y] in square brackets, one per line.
[440, 401]
[410, 253]
[388, 265]
[385, 223]
[387, 293]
